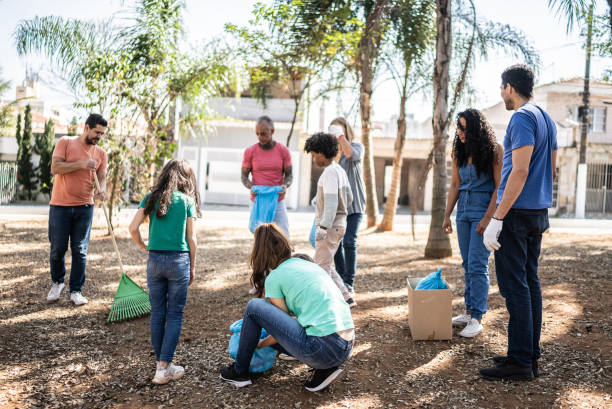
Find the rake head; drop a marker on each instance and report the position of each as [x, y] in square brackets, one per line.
[130, 301]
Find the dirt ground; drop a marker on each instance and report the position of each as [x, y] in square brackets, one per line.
[57, 355]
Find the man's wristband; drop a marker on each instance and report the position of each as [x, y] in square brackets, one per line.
[501, 220]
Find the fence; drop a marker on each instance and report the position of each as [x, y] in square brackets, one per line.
[599, 188]
[8, 182]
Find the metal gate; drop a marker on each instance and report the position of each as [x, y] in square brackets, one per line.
[8, 182]
[599, 188]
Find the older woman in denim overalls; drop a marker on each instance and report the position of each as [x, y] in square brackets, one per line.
[475, 178]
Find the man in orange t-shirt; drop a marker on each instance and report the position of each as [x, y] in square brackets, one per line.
[71, 206]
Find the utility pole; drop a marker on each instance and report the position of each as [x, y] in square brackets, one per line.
[583, 112]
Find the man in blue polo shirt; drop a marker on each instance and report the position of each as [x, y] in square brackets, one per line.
[515, 231]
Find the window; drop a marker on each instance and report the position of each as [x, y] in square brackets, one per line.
[598, 118]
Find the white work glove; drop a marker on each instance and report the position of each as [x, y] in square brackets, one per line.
[320, 234]
[491, 234]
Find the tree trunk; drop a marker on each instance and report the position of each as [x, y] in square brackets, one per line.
[368, 162]
[295, 112]
[584, 109]
[438, 243]
[367, 54]
[417, 197]
[391, 206]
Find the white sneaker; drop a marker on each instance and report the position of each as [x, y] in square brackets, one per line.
[472, 329]
[165, 375]
[286, 357]
[55, 291]
[351, 290]
[461, 320]
[77, 298]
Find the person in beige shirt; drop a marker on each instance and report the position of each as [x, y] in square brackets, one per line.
[333, 198]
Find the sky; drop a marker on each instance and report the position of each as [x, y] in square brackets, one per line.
[561, 54]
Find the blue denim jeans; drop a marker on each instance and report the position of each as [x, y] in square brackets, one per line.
[471, 207]
[280, 217]
[317, 352]
[167, 279]
[516, 265]
[69, 224]
[345, 258]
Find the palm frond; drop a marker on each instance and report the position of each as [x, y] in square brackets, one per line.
[573, 10]
[496, 36]
[68, 43]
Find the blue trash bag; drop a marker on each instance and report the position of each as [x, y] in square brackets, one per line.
[313, 232]
[264, 206]
[433, 281]
[263, 358]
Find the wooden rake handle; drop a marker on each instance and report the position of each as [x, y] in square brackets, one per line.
[109, 223]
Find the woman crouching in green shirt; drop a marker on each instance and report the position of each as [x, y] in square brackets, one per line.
[172, 207]
[321, 334]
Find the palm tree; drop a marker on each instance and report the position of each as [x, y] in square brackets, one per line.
[412, 27]
[580, 12]
[6, 109]
[484, 37]
[133, 72]
[366, 60]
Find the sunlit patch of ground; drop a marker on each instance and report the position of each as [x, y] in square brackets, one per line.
[57, 355]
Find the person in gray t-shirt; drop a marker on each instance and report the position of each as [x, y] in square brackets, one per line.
[351, 160]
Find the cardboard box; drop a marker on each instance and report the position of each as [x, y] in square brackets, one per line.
[429, 312]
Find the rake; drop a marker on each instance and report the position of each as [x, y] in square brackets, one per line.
[130, 301]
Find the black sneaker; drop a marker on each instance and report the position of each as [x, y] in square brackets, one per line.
[507, 371]
[351, 302]
[321, 378]
[229, 374]
[500, 359]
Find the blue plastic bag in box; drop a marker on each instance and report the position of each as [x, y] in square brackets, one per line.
[433, 281]
[263, 358]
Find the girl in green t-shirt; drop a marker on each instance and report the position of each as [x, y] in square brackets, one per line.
[322, 332]
[172, 207]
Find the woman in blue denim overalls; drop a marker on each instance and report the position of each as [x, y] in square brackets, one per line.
[477, 160]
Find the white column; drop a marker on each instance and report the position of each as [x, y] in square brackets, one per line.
[581, 182]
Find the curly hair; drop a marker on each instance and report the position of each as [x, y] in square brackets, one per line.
[480, 142]
[176, 175]
[322, 143]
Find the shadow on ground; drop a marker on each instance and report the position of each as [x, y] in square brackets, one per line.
[55, 355]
